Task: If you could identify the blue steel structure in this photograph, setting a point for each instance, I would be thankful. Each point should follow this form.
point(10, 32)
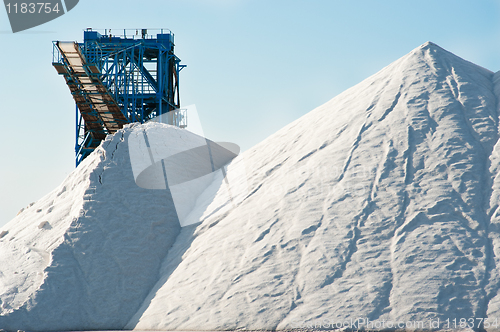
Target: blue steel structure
point(120, 79)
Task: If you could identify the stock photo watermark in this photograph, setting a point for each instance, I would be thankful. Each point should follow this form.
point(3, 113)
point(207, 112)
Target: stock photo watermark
point(189, 165)
point(383, 324)
point(26, 14)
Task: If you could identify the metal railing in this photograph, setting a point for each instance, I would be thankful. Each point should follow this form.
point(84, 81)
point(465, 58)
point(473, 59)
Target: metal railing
point(131, 33)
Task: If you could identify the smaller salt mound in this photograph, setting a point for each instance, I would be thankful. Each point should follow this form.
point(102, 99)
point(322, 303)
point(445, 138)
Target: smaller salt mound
point(86, 255)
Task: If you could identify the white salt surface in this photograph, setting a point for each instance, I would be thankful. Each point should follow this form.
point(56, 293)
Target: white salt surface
point(98, 255)
point(382, 204)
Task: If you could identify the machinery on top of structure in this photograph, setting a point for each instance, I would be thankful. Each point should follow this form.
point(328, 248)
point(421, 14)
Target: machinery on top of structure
point(120, 79)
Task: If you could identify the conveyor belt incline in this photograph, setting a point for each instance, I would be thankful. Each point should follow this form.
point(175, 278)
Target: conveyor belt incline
point(96, 104)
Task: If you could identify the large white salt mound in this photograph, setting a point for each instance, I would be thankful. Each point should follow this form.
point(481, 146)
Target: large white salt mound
point(374, 206)
point(381, 205)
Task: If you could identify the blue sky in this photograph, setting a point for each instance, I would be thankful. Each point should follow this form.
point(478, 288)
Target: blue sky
point(253, 67)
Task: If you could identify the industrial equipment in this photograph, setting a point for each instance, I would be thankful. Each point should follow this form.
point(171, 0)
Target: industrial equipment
point(120, 79)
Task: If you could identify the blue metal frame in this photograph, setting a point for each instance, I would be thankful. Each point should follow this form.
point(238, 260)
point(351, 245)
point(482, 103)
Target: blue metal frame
point(140, 72)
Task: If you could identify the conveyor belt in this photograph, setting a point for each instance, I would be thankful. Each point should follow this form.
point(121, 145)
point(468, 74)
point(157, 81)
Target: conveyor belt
point(96, 104)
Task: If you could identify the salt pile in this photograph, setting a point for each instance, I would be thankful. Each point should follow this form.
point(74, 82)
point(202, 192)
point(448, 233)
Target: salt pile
point(380, 205)
point(97, 254)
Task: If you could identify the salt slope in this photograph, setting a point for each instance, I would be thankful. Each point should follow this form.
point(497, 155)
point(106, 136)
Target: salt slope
point(375, 205)
point(86, 255)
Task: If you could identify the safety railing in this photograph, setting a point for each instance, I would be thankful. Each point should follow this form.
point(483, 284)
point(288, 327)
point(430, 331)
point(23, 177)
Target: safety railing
point(132, 33)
